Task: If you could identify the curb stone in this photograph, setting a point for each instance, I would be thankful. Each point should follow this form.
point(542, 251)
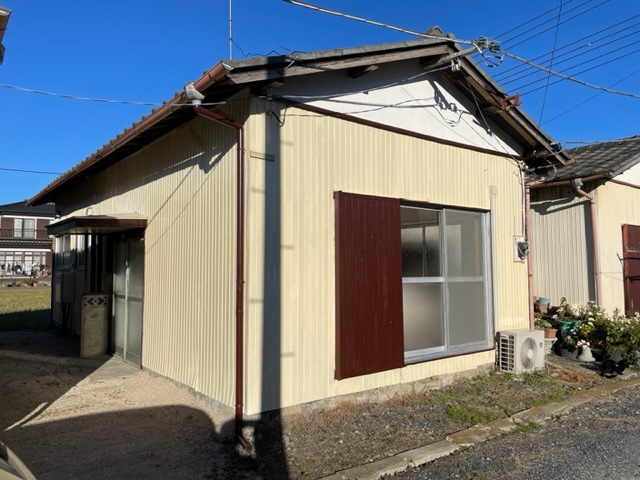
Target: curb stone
point(476, 434)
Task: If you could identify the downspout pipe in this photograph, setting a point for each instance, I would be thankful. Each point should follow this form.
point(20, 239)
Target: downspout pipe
point(576, 183)
point(528, 234)
point(239, 394)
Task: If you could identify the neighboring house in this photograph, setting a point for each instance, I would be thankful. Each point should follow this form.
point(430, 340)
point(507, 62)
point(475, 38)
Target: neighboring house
point(25, 245)
point(585, 228)
point(340, 221)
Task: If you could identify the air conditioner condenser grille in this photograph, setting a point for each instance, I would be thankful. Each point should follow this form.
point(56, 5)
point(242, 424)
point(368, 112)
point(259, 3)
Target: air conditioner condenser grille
point(521, 351)
point(507, 353)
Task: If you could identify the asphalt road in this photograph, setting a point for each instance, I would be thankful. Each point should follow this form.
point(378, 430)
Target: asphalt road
point(598, 440)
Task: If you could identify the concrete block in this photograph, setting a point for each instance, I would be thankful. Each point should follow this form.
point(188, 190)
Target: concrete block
point(375, 470)
point(428, 453)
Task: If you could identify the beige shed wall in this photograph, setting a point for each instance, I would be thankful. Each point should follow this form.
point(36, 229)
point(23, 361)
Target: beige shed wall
point(617, 205)
point(290, 242)
point(185, 185)
point(561, 246)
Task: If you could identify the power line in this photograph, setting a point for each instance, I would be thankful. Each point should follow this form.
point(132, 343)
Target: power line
point(530, 20)
point(561, 23)
point(28, 171)
point(591, 97)
point(100, 100)
point(555, 40)
point(566, 70)
point(518, 70)
point(572, 79)
point(373, 22)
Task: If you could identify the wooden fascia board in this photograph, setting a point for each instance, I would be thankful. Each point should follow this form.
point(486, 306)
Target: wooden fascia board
point(294, 69)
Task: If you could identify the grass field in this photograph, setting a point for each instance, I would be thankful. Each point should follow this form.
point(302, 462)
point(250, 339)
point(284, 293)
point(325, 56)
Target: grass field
point(22, 308)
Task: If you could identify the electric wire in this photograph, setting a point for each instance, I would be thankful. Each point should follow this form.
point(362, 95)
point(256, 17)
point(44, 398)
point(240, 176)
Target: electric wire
point(101, 100)
point(551, 28)
point(530, 20)
point(502, 76)
point(5, 169)
point(377, 24)
point(576, 80)
point(567, 70)
point(592, 97)
point(527, 74)
point(555, 40)
point(541, 24)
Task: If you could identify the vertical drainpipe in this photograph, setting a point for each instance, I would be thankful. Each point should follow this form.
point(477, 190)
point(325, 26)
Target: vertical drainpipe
point(493, 191)
point(239, 400)
point(527, 213)
point(576, 183)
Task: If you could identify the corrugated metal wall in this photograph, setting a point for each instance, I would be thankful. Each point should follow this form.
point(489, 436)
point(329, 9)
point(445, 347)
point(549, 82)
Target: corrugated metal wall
point(291, 271)
point(561, 245)
point(617, 205)
point(185, 184)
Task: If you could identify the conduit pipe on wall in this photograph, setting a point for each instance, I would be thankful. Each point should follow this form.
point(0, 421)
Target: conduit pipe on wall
point(576, 183)
point(239, 400)
point(527, 226)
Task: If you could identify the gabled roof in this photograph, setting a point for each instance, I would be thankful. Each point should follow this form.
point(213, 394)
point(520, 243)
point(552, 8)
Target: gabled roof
point(262, 73)
point(602, 160)
point(21, 208)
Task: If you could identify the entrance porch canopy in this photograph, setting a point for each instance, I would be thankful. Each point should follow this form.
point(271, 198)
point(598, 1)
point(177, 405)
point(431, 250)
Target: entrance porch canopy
point(98, 224)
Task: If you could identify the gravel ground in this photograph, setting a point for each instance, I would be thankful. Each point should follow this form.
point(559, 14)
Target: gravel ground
point(72, 418)
point(597, 440)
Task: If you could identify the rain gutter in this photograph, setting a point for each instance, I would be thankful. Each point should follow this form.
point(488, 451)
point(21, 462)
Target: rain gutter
point(239, 374)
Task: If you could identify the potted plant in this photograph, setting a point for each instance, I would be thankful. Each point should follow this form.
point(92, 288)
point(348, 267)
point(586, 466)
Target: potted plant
point(542, 324)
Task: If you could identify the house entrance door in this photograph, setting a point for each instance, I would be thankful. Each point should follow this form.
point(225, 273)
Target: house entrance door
point(631, 268)
point(128, 276)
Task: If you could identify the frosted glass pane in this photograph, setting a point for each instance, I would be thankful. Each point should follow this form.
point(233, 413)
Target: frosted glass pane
point(412, 252)
point(467, 313)
point(464, 244)
point(118, 323)
point(119, 269)
point(134, 330)
point(420, 237)
point(432, 252)
point(423, 319)
point(136, 268)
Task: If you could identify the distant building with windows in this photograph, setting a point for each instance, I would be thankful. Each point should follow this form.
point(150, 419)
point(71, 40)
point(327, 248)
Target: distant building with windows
point(25, 246)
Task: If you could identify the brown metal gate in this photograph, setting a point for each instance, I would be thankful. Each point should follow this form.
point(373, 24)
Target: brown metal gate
point(631, 268)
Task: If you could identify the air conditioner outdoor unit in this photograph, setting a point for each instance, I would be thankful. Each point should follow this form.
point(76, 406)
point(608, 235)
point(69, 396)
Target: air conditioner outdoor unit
point(521, 351)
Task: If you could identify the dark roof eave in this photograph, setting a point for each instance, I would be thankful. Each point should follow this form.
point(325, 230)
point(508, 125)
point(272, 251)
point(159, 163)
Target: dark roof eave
point(243, 72)
point(47, 194)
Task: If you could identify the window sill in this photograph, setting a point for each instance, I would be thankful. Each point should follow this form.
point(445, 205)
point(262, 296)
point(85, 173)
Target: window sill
point(413, 359)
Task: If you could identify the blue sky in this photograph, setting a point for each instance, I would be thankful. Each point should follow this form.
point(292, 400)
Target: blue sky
point(146, 50)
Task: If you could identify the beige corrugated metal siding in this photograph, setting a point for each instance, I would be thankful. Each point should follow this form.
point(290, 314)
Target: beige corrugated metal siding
point(617, 205)
point(185, 184)
point(561, 245)
point(291, 276)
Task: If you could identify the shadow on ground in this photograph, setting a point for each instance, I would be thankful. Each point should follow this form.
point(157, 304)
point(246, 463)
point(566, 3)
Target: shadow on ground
point(69, 417)
point(30, 319)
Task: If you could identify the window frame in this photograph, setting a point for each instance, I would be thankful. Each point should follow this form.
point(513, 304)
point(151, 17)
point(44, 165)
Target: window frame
point(361, 331)
point(20, 229)
point(445, 279)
